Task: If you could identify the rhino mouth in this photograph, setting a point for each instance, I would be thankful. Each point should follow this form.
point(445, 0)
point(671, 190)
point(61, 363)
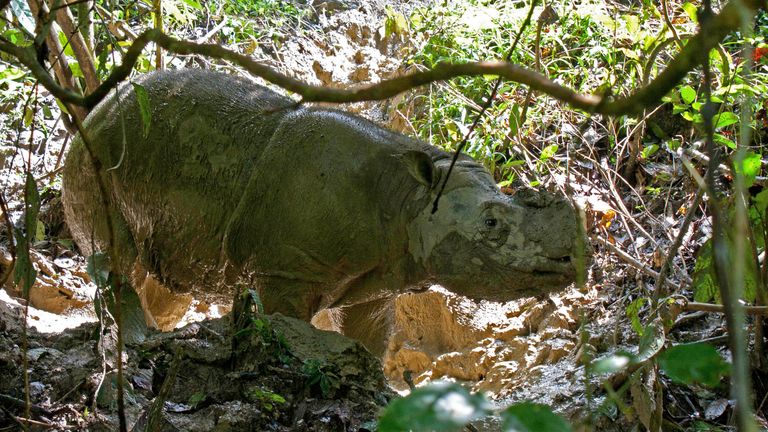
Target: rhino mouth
point(554, 268)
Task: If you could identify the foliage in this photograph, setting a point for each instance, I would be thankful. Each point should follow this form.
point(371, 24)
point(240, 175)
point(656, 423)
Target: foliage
point(588, 48)
point(321, 376)
point(444, 406)
point(268, 399)
point(696, 363)
point(269, 338)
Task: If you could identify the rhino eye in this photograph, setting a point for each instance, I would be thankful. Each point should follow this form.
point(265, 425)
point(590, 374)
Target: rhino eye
point(491, 222)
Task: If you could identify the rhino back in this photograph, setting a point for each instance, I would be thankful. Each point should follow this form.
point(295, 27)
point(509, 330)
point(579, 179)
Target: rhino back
point(330, 201)
point(175, 187)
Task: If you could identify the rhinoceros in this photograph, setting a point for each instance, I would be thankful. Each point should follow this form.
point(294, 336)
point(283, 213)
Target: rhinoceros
point(227, 182)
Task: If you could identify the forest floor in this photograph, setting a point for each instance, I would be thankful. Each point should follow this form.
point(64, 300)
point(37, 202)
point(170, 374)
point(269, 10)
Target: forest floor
point(292, 377)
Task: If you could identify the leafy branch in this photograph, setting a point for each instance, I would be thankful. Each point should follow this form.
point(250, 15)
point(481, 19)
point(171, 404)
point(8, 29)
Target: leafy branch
point(713, 30)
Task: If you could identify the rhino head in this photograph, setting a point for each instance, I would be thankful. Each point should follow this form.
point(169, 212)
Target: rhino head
point(486, 245)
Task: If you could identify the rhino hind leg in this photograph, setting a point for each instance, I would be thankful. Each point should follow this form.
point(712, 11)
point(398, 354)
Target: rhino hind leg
point(288, 296)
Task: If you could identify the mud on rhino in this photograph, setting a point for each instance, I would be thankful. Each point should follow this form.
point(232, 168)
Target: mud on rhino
point(315, 208)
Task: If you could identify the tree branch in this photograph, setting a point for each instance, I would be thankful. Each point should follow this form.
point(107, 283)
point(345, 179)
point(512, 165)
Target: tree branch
point(713, 31)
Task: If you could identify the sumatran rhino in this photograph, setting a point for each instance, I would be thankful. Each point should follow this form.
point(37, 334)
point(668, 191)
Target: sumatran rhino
point(228, 182)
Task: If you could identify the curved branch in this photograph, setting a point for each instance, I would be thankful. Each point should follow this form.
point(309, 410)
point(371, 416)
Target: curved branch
point(712, 32)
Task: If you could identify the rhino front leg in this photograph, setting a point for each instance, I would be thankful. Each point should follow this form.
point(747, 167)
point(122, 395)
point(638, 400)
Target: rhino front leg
point(163, 309)
point(370, 323)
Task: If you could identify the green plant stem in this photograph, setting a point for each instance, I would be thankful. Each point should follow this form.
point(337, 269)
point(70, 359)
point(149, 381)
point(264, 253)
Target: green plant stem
point(729, 274)
point(106, 203)
point(157, 8)
point(661, 289)
point(11, 246)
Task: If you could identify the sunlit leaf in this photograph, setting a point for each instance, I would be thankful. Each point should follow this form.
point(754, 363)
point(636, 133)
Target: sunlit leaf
point(691, 10)
point(611, 364)
point(724, 140)
point(749, 167)
point(696, 363)
point(193, 4)
point(725, 119)
point(674, 144)
point(688, 94)
point(649, 150)
point(436, 407)
point(20, 9)
point(633, 312)
point(548, 152)
point(531, 417)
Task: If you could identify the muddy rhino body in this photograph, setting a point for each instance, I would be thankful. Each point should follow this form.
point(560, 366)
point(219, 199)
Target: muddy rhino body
point(315, 208)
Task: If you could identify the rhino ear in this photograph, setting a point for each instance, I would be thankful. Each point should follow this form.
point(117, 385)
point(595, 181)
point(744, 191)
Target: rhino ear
point(421, 167)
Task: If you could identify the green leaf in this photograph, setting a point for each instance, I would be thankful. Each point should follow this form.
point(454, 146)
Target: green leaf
point(75, 68)
point(39, 232)
point(725, 119)
point(395, 23)
point(134, 324)
point(651, 342)
point(437, 407)
point(704, 288)
point(723, 140)
point(697, 107)
point(514, 119)
point(193, 4)
point(649, 151)
point(531, 417)
point(679, 108)
point(98, 268)
point(633, 312)
point(20, 9)
point(696, 363)
point(761, 201)
point(66, 45)
point(29, 116)
point(688, 94)
point(691, 10)
point(611, 364)
point(749, 167)
point(674, 144)
point(632, 23)
point(548, 152)
point(31, 206)
point(24, 272)
point(146, 114)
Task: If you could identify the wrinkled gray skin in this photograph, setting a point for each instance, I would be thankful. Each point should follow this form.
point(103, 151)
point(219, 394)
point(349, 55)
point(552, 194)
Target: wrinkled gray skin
point(316, 208)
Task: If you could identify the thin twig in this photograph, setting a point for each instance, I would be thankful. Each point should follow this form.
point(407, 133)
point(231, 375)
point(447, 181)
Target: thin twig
point(668, 21)
point(629, 259)
point(660, 288)
point(486, 105)
point(710, 307)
